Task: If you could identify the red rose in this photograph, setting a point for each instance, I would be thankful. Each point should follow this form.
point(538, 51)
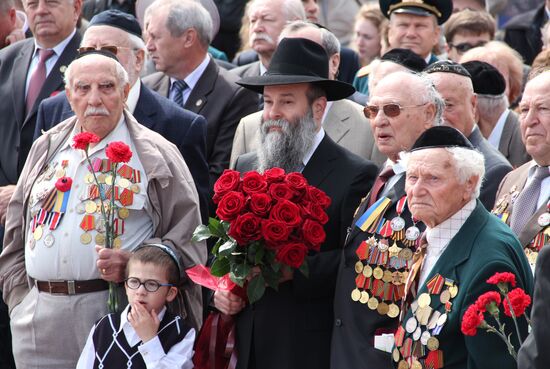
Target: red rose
point(292, 254)
point(520, 301)
point(484, 301)
point(287, 212)
point(254, 182)
point(273, 175)
point(64, 184)
point(317, 196)
point(281, 191)
point(228, 181)
point(82, 140)
point(118, 152)
point(296, 181)
point(230, 205)
point(503, 278)
point(313, 233)
point(315, 211)
point(260, 204)
point(275, 231)
point(471, 320)
point(245, 228)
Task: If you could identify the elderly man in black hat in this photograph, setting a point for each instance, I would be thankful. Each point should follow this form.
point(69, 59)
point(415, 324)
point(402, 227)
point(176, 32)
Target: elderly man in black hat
point(463, 247)
point(291, 327)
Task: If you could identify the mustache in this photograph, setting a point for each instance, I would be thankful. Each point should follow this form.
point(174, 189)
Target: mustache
point(280, 123)
point(93, 110)
point(262, 36)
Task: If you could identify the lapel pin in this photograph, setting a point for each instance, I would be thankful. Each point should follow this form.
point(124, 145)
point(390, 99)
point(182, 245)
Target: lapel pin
point(63, 68)
point(199, 102)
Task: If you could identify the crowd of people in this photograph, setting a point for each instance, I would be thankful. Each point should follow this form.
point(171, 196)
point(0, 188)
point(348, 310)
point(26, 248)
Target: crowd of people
point(426, 122)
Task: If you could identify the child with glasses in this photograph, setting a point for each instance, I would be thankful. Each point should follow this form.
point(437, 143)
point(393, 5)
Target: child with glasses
point(145, 334)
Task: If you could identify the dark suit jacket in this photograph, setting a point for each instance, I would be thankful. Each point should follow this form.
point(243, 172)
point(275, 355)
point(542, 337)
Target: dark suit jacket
point(522, 33)
point(183, 128)
point(511, 145)
point(222, 102)
point(18, 128)
point(534, 353)
point(483, 246)
point(291, 328)
point(355, 325)
point(496, 167)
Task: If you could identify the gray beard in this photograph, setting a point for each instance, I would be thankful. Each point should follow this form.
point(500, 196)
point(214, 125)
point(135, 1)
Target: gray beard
point(286, 148)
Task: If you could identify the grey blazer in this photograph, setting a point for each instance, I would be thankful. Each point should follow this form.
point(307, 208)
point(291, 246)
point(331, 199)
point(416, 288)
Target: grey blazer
point(511, 145)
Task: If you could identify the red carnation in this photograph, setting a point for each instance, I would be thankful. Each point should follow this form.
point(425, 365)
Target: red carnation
point(314, 211)
point(118, 152)
point(292, 254)
point(281, 191)
point(471, 320)
point(260, 204)
point(296, 181)
point(313, 233)
point(82, 140)
point(505, 277)
point(64, 184)
point(275, 231)
point(273, 175)
point(520, 301)
point(230, 205)
point(287, 212)
point(485, 301)
point(228, 181)
point(246, 228)
point(254, 182)
point(318, 196)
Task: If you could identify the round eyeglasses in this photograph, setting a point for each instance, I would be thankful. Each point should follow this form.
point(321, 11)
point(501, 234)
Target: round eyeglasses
point(150, 285)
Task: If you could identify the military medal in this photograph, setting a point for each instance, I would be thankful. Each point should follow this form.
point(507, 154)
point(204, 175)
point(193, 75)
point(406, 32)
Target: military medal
point(49, 240)
point(61, 171)
point(432, 343)
point(383, 308)
point(37, 234)
point(367, 271)
point(398, 223)
point(412, 233)
point(100, 239)
point(393, 310)
point(123, 213)
point(364, 297)
point(544, 219)
point(372, 303)
point(424, 300)
point(411, 324)
point(85, 238)
point(355, 294)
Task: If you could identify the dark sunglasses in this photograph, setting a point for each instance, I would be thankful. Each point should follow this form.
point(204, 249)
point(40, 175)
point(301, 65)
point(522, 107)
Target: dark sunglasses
point(465, 46)
point(109, 48)
point(390, 110)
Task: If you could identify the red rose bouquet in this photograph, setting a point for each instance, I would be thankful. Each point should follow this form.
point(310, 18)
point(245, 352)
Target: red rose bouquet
point(514, 302)
point(267, 222)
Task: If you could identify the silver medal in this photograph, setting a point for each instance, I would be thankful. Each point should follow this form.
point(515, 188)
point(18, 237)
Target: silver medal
point(412, 233)
point(397, 224)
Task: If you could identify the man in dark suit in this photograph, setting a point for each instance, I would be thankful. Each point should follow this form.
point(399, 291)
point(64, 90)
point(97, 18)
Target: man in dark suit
point(291, 327)
point(192, 79)
point(463, 247)
point(454, 83)
point(497, 123)
point(183, 128)
point(369, 290)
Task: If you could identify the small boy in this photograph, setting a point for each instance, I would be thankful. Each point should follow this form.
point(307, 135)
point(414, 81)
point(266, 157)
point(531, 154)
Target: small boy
point(144, 334)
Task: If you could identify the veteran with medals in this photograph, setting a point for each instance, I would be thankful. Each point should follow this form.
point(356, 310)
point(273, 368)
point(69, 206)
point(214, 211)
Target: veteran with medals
point(383, 235)
point(54, 270)
point(463, 246)
point(523, 198)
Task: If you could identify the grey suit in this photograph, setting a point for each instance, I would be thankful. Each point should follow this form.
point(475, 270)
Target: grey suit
point(345, 124)
point(247, 70)
point(511, 145)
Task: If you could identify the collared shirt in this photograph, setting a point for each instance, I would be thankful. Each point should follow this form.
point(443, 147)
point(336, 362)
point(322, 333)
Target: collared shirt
point(67, 258)
point(544, 195)
point(193, 78)
point(262, 69)
point(316, 141)
point(441, 235)
point(399, 171)
point(58, 50)
point(496, 133)
point(179, 356)
point(133, 96)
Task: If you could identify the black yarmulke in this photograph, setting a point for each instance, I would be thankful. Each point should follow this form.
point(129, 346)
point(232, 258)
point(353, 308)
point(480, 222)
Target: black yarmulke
point(447, 66)
point(486, 79)
point(118, 19)
point(406, 58)
point(98, 52)
point(441, 136)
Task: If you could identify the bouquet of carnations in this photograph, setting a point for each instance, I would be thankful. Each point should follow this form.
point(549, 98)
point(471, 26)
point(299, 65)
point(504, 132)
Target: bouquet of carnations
point(267, 222)
point(514, 302)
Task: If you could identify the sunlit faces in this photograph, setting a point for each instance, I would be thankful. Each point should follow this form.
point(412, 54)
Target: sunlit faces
point(367, 40)
point(150, 300)
point(312, 10)
point(417, 33)
point(52, 21)
point(266, 21)
point(463, 42)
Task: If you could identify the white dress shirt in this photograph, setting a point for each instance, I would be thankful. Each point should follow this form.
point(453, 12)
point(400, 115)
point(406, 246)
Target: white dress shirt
point(179, 356)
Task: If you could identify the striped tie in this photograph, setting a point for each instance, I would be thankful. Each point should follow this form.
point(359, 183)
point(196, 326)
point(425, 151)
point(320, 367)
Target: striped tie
point(526, 203)
point(177, 92)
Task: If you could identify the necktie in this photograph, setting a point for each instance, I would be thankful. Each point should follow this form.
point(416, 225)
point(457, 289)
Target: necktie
point(38, 78)
point(526, 203)
point(383, 177)
point(177, 92)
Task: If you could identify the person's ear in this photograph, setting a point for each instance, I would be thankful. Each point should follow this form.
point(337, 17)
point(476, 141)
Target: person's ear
point(172, 293)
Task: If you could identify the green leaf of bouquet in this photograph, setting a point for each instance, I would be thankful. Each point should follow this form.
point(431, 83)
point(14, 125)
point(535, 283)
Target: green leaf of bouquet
point(216, 228)
point(271, 277)
point(225, 225)
point(220, 267)
point(240, 270)
point(259, 256)
point(201, 233)
point(256, 288)
point(227, 248)
point(304, 268)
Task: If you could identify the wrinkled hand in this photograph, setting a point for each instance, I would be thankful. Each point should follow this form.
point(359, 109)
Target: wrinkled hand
point(111, 263)
point(5, 196)
point(145, 323)
point(227, 302)
point(16, 35)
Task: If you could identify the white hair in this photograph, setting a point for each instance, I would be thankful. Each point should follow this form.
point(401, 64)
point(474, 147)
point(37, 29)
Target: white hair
point(490, 105)
point(468, 163)
point(120, 73)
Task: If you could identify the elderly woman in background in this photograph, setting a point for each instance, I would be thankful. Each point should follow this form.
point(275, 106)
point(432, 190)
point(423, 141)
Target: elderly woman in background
point(368, 30)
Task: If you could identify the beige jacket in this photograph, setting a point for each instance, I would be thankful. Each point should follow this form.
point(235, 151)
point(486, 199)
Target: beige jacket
point(171, 192)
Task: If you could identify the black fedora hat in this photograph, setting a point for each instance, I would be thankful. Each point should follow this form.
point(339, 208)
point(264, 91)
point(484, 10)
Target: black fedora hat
point(299, 60)
point(441, 9)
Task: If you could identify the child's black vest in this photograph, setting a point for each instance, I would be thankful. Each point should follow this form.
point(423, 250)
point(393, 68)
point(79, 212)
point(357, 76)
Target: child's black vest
point(113, 350)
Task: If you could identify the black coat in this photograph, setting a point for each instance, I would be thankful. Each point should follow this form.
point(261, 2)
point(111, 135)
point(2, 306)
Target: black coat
point(292, 328)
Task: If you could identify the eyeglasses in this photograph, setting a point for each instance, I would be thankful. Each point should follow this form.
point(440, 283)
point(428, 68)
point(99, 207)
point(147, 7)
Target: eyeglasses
point(150, 285)
point(390, 110)
point(465, 46)
point(110, 48)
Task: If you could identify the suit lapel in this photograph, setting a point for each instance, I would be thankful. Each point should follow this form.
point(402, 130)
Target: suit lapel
point(19, 79)
point(198, 97)
point(336, 123)
point(321, 163)
point(144, 111)
point(532, 227)
point(506, 137)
